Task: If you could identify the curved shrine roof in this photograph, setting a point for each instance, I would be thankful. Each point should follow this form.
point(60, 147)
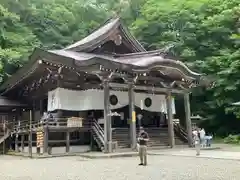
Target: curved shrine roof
point(81, 54)
point(134, 62)
point(102, 34)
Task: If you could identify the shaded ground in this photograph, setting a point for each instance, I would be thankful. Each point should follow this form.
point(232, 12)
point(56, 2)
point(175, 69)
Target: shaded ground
point(77, 168)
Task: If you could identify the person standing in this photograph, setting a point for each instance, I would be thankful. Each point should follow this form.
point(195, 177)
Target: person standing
point(142, 141)
point(196, 138)
point(202, 137)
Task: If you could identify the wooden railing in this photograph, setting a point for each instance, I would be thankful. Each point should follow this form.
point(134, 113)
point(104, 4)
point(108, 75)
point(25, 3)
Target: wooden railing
point(180, 131)
point(50, 122)
point(98, 131)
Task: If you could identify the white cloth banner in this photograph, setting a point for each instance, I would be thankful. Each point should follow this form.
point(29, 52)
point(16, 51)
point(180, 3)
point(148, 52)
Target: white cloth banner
point(93, 99)
point(53, 100)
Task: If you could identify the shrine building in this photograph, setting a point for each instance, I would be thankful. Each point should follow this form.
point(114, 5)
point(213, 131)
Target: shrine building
point(99, 91)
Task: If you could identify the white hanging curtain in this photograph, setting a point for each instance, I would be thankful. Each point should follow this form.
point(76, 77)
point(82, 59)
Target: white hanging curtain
point(93, 99)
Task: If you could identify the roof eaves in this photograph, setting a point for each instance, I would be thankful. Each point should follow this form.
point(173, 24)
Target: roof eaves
point(5, 102)
point(22, 71)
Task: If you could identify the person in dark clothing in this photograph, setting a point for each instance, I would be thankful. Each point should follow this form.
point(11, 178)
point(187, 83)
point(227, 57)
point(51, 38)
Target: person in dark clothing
point(142, 141)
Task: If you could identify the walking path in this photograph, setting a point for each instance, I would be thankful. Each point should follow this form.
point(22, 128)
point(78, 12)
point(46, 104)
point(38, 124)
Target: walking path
point(213, 154)
point(78, 168)
point(226, 152)
point(165, 164)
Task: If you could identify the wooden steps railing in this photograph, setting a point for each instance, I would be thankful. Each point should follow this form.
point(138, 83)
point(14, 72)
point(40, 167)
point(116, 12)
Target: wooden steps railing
point(55, 123)
point(180, 131)
point(5, 132)
point(98, 134)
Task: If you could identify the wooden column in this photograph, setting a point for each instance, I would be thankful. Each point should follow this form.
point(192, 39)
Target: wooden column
point(59, 85)
point(106, 115)
point(41, 107)
point(170, 120)
point(188, 119)
point(41, 111)
point(162, 118)
point(132, 115)
point(45, 139)
point(67, 141)
point(18, 118)
point(16, 143)
point(22, 142)
point(58, 117)
point(30, 134)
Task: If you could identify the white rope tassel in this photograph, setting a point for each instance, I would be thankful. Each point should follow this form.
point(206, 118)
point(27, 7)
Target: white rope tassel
point(141, 104)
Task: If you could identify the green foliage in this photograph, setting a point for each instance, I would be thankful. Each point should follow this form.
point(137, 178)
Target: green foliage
point(232, 139)
point(48, 24)
point(16, 42)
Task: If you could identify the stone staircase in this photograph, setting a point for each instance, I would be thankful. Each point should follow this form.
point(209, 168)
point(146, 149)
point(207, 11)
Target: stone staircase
point(157, 137)
point(122, 136)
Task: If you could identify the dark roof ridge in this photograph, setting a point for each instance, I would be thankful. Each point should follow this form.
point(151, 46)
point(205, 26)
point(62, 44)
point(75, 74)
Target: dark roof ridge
point(104, 23)
point(99, 36)
point(153, 53)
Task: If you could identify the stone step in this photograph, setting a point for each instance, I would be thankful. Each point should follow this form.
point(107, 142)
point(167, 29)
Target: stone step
point(158, 137)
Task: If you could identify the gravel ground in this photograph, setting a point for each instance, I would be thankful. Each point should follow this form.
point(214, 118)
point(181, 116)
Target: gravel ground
point(159, 168)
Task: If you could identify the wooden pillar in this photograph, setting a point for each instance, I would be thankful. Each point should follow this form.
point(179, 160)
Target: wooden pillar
point(67, 141)
point(30, 144)
point(45, 139)
point(132, 115)
point(59, 85)
point(22, 142)
point(188, 119)
point(30, 134)
point(106, 115)
point(170, 120)
point(162, 118)
point(41, 107)
point(16, 142)
point(110, 148)
point(18, 118)
point(58, 117)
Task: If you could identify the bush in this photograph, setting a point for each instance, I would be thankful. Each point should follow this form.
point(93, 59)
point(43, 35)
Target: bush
point(232, 139)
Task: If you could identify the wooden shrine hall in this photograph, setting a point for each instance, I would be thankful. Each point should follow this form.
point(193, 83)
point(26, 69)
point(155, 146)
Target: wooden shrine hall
point(105, 71)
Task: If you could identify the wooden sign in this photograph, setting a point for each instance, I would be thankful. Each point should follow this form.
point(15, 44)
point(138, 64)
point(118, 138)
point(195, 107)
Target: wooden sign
point(75, 122)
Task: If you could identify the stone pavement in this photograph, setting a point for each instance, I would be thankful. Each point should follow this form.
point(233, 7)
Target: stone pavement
point(161, 167)
point(122, 153)
point(210, 154)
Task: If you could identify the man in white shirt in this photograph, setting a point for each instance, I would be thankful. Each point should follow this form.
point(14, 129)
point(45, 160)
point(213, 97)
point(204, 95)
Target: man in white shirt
point(202, 137)
point(196, 139)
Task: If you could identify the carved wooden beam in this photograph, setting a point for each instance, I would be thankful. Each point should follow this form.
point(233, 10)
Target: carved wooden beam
point(148, 88)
